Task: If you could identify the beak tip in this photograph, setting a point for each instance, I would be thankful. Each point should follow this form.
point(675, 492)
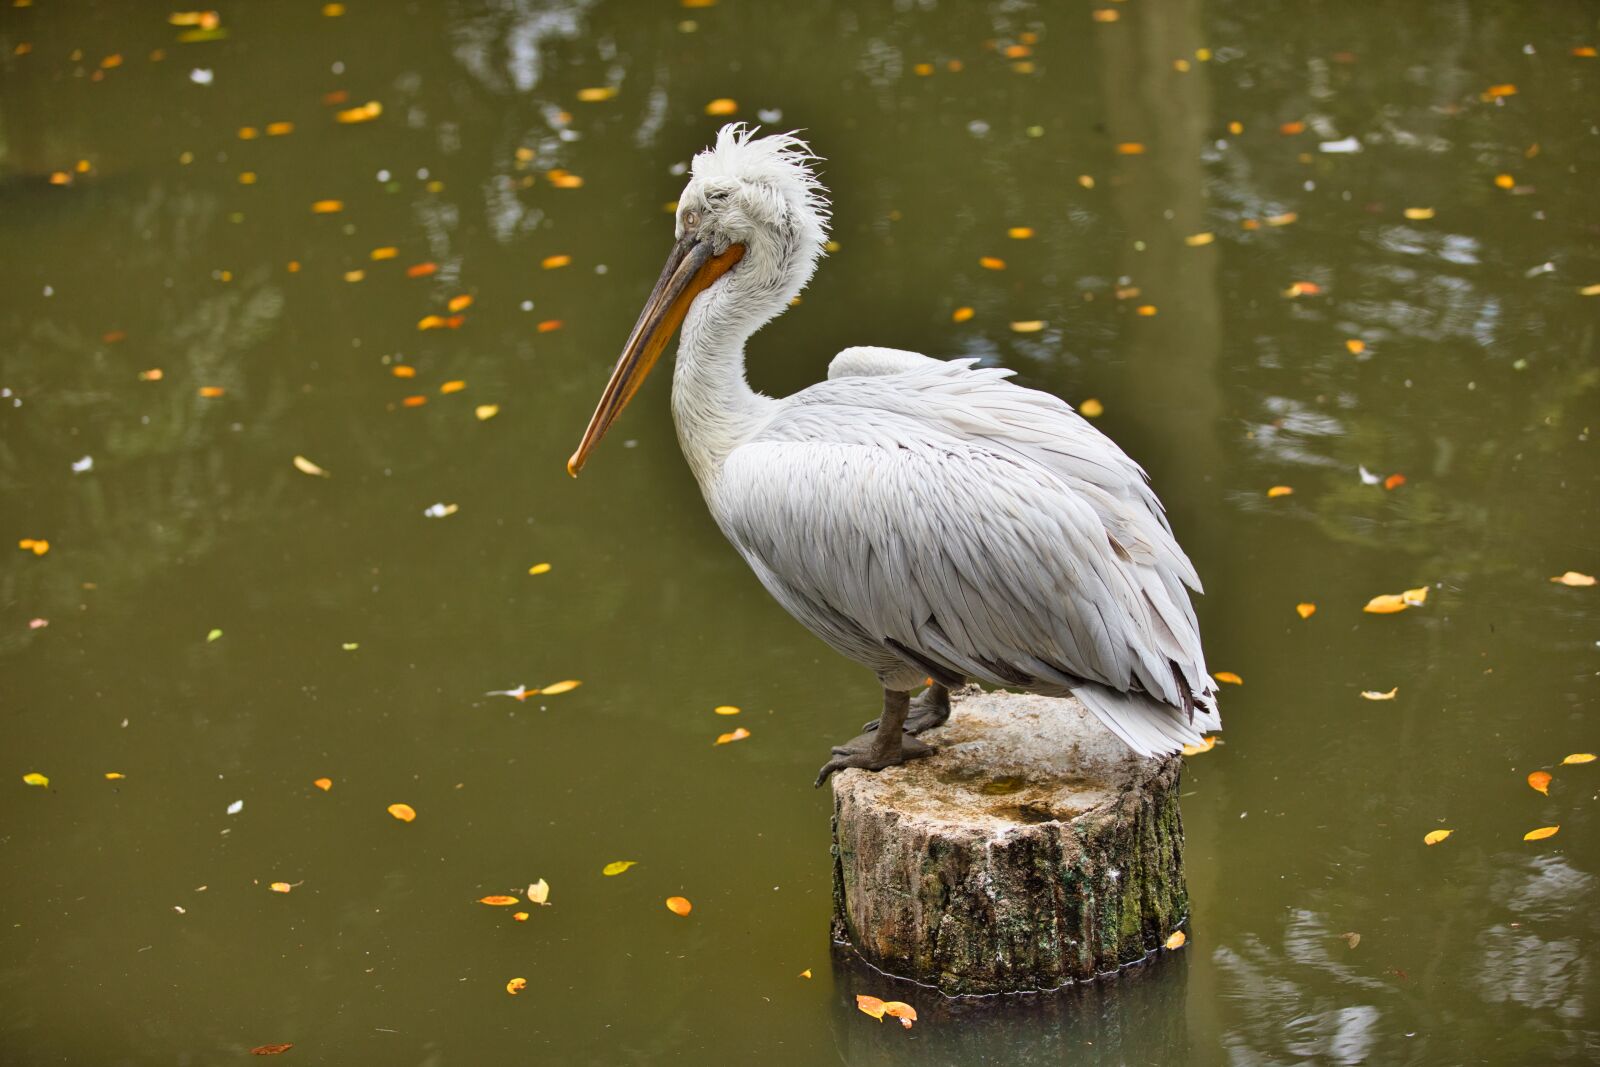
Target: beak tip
point(574, 465)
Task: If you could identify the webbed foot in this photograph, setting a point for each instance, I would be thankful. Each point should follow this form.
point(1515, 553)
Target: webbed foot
point(866, 752)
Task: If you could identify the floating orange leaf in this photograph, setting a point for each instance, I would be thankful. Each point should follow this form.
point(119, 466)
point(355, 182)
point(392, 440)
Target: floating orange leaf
point(460, 303)
point(616, 867)
point(1090, 408)
point(1573, 578)
point(899, 1009)
point(115, 776)
point(1433, 837)
point(386, 252)
point(922, 70)
point(327, 207)
point(1130, 148)
point(1105, 14)
point(1289, 129)
point(558, 688)
point(1584, 51)
point(248, 133)
point(722, 106)
point(1280, 490)
point(1494, 92)
point(870, 1005)
point(805, 973)
point(1020, 233)
point(520, 916)
point(440, 322)
point(1229, 677)
point(280, 887)
point(323, 784)
point(550, 325)
point(279, 129)
point(516, 985)
point(1540, 780)
point(552, 262)
point(402, 370)
point(1303, 289)
point(737, 735)
point(1146, 310)
point(452, 386)
point(37, 545)
point(991, 263)
point(403, 812)
point(364, 113)
point(498, 900)
point(414, 401)
point(1505, 181)
point(1206, 745)
point(679, 905)
point(421, 270)
point(1177, 940)
point(1541, 833)
point(1579, 757)
point(1394, 481)
point(961, 314)
point(1305, 611)
point(211, 392)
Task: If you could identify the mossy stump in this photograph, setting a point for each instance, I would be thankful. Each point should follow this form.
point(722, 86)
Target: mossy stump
point(1032, 850)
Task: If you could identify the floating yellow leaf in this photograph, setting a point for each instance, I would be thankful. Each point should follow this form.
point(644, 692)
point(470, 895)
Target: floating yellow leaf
point(1540, 780)
point(725, 709)
point(485, 412)
point(1305, 611)
point(870, 1005)
point(1505, 181)
point(1280, 490)
point(1086, 180)
point(1373, 694)
point(114, 776)
point(1146, 310)
point(279, 129)
point(38, 546)
point(1177, 939)
point(1284, 219)
point(1029, 326)
point(595, 95)
point(247, 178)
point(1020, 233)
point(440, 322)
point(498, 900)
point(1541, 833)
point(1130, 148)
point(520, 916)
point(365, 113)
point(991, 263)
point(1355, 345)
point(516, 985)
point(402, 370)
point(679, 905)
point(1195, 240)
point(323, 784)
point(1389, 603)
point(1105, 14)
point(539, 568)
point(280, 887)
point(305, 466)
point(403, 812)
point(1419, 214)
point(552, 262)
point(539, 892)
point(354, 275)
point(386, 252)
point(1206, 745)
point(454, 386)
point(961, 314)
point(1433, 837)
point(806, 973)
point(1494, 92)
point(737, 735)
point(1229, 677)
point(460, 303)
point(722, 106)
point(1590, 290)
point(1091, 408)
point(332, 11)
point(617, 867)
point(560, 687)
point(35, 778)
point(1579, 757)
point(248, 133)
point(327, 207)
point(1573, 578)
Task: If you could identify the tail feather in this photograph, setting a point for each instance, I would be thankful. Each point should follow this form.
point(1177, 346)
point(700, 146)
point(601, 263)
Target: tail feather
point(1144, 723)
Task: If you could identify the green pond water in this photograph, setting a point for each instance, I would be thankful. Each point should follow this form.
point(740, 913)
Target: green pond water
point(1440, 332)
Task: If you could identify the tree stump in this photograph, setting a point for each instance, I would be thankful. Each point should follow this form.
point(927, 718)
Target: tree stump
point(1032, 850)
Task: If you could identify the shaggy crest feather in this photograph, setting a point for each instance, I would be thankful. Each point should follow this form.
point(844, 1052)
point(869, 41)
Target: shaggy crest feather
point(782, 161)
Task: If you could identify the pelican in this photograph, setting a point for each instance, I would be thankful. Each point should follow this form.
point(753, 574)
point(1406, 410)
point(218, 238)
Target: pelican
point(928, 519)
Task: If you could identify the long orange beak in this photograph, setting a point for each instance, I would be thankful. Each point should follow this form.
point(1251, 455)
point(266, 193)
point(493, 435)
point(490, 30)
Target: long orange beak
point(690, 270)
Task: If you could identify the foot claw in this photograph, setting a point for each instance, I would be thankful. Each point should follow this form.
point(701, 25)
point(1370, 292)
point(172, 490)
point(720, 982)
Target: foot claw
point(865, 752)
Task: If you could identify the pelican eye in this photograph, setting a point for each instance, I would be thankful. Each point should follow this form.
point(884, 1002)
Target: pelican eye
point(691, 220)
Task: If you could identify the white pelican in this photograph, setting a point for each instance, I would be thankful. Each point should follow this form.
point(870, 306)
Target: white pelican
point(927, 519)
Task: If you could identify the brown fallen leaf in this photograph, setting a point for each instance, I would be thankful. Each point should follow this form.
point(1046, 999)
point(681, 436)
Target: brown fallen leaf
point(1573, 578)
point(403, 812)
point(679, 905)
point(899, 1009)
point(870, 1005)
point(272, 1050)
point(1351, 938)
point(1433, 837)
point(1541, 833)
point(1540, 780)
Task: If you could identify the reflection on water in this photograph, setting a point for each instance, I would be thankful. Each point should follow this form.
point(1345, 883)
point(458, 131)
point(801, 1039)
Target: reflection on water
point(1303, 248)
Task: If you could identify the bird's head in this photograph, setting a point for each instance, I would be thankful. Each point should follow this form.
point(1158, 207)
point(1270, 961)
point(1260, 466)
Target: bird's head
point(751, 225)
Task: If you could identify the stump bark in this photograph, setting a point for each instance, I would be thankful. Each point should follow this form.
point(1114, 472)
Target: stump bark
point(1032, 850)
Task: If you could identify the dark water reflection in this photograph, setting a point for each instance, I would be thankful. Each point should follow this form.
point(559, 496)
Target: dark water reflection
point(1475, 377)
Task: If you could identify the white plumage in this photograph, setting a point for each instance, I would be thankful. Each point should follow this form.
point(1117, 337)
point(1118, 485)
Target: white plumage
point(921, 517)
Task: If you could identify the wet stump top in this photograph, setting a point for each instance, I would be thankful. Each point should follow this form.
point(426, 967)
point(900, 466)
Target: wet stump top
point(1032, 850)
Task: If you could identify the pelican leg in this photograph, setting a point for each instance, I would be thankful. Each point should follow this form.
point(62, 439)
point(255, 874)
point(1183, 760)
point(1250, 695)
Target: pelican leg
point(885, 747)
point(930, 708)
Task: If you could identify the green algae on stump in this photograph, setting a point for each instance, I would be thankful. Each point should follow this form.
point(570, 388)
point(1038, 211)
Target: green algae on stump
point(1032, 850)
